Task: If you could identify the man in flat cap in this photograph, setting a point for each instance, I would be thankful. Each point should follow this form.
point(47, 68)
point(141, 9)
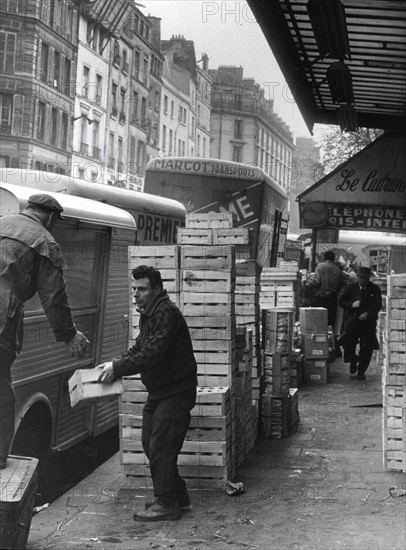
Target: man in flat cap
point(361, 302)
point(30, 261)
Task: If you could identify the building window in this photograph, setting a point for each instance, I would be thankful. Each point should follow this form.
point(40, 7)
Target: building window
point(99, 89)
point(116, 54)
point(237, 156)
point(172, 108)
point(204, 147)
point(12, 6)
point(57, 69)
point(132, 167)
point(125, 62)
point(54, 125)
point(170, 140)
point(137, 57)
point(6, 106)
point(164, 137)
point(146, 71)
point(122, 101)
point(166, 104)
point(83, 136)
point(67, 74)
point(96, 137)
point(102, 40)
point(198, 145)
point(143, 110)
point(134, 115)
point(89, 33)
point(110, 163)
point(85, 82)
point(114, 105)
point(64, 131)
point(238, 127)
point(43, 73)
point(120, 166)
point(157, 100)
point(41, 120)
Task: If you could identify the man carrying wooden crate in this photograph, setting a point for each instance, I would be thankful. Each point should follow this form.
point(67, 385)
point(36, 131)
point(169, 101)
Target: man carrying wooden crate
point(163, 355)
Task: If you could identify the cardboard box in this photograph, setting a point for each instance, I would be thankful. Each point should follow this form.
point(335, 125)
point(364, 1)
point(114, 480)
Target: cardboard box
point(313, 320)
point(315, 371)
point(315, 346)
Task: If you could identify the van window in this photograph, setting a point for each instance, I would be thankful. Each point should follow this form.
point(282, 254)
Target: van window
point(84, 252)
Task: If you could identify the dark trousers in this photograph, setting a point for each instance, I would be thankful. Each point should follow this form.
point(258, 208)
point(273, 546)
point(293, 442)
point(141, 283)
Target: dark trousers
point(7, 404)
point(365, 352)
point(164, 426)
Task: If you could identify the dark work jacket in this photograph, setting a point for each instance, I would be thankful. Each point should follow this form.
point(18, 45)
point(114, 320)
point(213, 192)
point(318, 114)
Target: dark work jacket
point(30, 261)
point(371, 302)
point(162, 353)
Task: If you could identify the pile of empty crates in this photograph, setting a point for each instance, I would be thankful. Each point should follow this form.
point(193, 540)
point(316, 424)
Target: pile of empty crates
point(280, 286)
point(279, 403)
point(393, 334)
point(215, 293)
point(315, 344)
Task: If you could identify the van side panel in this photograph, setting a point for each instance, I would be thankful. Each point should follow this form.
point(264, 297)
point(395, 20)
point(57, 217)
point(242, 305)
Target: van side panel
point(114, 336)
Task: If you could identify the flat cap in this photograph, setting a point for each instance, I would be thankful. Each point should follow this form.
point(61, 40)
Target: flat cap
point(47, 202)
point(364, 271)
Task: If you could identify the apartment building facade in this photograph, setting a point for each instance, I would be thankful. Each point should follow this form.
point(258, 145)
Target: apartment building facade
point(185, 106)
point(244, 127)
point(38, 55)
point(117, 107)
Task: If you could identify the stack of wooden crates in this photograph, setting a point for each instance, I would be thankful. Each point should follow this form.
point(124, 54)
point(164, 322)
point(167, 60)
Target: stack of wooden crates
point(201, 277)
point(394, 375)
point(279, 403)
point(315, 344)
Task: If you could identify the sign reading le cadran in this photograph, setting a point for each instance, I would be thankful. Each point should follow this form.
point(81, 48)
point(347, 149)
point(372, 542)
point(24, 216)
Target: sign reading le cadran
point(368, 191)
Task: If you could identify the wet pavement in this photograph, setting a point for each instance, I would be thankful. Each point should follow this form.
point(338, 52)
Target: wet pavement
point(322, 488)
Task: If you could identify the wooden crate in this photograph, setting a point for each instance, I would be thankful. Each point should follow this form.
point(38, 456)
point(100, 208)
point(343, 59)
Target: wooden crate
point(211, 220)
point(160, 257)
point(201, 303)
point(237, 236)
point(187, 236)
point(211, 328)
point(84, 387)
point(397, 286)
point(195, 280)
point(208, 257)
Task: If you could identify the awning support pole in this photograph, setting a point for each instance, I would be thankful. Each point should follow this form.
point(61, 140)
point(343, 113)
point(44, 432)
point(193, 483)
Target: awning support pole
point(314, 247)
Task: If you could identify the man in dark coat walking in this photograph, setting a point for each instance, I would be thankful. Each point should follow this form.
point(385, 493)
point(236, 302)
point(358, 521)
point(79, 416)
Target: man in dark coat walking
point(361, 302)
point(163, 354)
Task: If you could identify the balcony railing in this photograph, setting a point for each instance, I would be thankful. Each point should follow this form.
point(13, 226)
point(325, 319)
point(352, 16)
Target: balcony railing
point(96, 153)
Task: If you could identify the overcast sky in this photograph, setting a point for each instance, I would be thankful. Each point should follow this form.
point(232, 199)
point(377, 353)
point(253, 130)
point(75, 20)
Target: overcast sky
point(227, 32)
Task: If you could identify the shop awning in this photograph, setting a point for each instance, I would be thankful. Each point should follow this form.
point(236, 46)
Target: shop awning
point(367, 192)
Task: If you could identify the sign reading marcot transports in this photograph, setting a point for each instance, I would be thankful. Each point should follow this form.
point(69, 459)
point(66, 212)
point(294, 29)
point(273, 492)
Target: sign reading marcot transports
point(366, 192)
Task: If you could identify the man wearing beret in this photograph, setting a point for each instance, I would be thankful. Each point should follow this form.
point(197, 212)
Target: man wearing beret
point(361, 302)
point(30, 261)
